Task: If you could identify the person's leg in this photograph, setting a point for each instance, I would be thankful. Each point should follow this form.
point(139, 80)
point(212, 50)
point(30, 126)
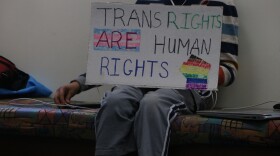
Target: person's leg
point(152, 122)
point(114, 121)
point(205, 100)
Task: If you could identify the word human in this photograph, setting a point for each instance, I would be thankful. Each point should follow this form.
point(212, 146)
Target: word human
point(178, 45)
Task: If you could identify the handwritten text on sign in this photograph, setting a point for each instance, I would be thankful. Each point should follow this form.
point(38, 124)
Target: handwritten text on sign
point(155, 45)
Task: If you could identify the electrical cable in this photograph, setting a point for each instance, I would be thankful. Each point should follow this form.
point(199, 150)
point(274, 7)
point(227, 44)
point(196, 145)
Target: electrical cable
point(15, 102)
point(250, 106)
point(185, 1)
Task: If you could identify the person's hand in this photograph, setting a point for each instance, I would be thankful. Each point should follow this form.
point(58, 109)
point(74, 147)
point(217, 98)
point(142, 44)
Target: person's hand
point(64, 93)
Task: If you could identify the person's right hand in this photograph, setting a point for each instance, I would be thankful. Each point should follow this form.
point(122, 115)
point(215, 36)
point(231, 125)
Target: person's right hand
point(64, 93)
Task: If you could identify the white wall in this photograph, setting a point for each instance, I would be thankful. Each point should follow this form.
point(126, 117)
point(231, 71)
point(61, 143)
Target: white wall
point(49, 39)
point(259, 54)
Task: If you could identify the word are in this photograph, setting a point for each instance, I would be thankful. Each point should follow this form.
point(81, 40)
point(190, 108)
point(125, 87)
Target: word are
point(136, 68)
point(117, 40)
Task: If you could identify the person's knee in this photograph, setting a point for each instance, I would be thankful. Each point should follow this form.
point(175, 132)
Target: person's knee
point(160, 100)
point(151, 102)
point(121, 101)
point(112, 100)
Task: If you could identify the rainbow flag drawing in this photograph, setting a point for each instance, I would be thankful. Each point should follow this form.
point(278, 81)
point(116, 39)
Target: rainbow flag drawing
point(196, 71)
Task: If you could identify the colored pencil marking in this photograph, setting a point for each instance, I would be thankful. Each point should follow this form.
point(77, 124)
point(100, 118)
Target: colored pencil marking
point(117, 40)
point(196, 71)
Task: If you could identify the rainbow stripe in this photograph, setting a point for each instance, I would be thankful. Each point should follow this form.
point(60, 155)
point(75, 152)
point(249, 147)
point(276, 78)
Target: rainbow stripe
point(196, 71)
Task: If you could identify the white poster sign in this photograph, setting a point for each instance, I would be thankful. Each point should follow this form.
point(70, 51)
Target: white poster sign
point(155, 45)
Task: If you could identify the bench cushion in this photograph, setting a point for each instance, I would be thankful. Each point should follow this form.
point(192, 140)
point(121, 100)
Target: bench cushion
point(46, 121)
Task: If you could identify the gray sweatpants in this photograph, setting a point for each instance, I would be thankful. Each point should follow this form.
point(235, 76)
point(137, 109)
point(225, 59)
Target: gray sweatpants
point(133, 119)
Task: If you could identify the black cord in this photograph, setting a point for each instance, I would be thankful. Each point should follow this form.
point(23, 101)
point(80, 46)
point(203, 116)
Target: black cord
point(251, 106)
